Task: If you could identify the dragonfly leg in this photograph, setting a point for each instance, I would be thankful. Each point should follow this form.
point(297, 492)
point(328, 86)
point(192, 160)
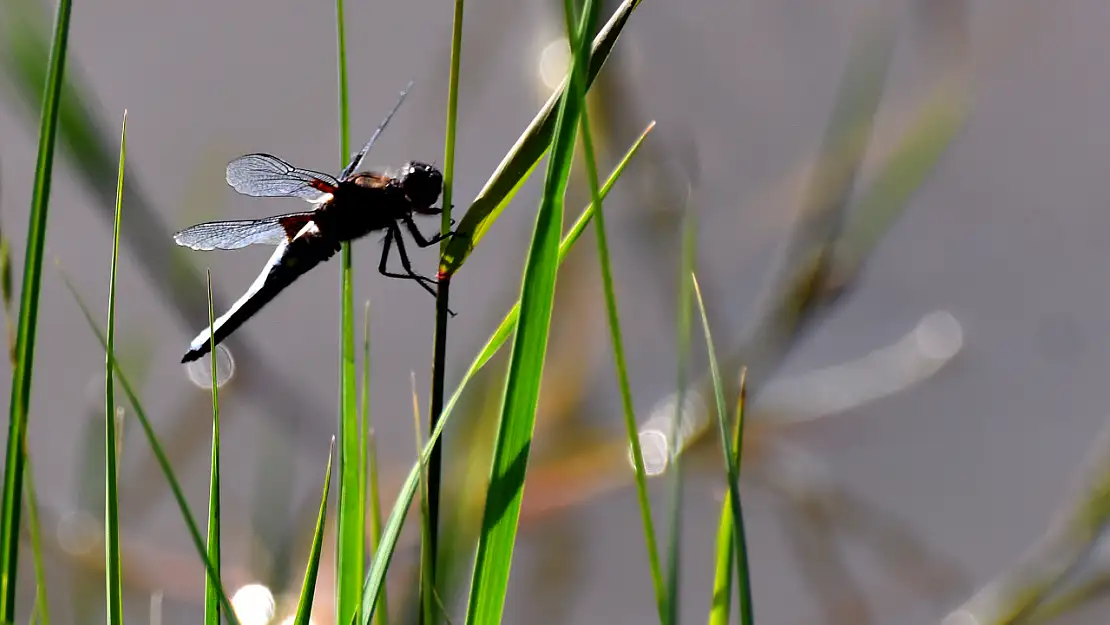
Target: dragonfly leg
point(419, 237)
point(424, 281)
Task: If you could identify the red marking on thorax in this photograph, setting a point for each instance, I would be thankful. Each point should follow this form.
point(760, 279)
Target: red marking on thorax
point(294, 223)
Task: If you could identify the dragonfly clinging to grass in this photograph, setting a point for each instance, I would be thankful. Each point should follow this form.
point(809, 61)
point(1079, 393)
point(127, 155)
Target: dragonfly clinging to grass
point(347, 207)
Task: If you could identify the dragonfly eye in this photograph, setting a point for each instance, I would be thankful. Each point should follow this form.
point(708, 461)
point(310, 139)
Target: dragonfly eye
point(422, 183)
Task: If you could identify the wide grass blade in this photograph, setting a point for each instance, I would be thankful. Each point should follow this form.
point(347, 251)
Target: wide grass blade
point(522, 385)
point(113, 568)
point(525, 154)
point(159, 454)
point(211, 590)
point(11, 508)
point(731, 453)
point(308, 588)
point(618, 350)
point(392, 531)
point(350, 548)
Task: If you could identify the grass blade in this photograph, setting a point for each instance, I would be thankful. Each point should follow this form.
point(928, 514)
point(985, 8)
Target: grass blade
point(211, 591)
point(618, 352)
point(35, 530)
point(11, 508)
point(308, 588)
point(351, 523)
point(689, 242)
point(369, 467)
point(747, 607)
point(525, 154)
point(384, 551)
point(518, 409)
point(732, 467)
point(426, 588)
point(443, 291)
point(721, 606)
point(159, 454)
point(113, 570)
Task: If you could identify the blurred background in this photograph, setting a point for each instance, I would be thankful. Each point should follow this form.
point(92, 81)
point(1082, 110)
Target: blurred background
point(924, 440)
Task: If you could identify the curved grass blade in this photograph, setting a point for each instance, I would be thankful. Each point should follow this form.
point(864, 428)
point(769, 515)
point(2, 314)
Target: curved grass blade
point(350, 547)
point(384, 551)
point(10, 508)
point(731, 451)
point(308, 588)
point(500, 517)
point(159, 454)
point(211, 589)
point(525, 154)
point(113, 569)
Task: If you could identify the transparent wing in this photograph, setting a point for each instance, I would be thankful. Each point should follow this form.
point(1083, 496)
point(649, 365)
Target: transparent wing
point(232, 235)
point(263, 175)
point(356, 159)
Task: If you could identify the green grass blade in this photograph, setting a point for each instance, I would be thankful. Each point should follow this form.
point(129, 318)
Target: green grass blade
point(689, 241)
point(350, 560)
point(113, 568)
point(525, 154)
point(211, 591)
point(426, 587)
point(11, 508)
point(518, 409)
point(721, 607)
point(369, 467)
point(443, 292)
point(747, 607)
point(159, 455)
point(618, 356)
point(732, 462)
point(308, 588)
point(34, 527)
point(384, 551)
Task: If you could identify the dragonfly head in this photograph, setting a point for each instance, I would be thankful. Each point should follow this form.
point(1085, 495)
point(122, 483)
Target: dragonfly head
point(422, 183)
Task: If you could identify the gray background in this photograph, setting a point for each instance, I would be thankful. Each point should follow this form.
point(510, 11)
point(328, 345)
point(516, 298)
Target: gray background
point(1009, 235)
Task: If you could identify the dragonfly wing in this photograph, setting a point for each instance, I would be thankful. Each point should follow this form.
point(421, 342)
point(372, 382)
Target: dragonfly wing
point(264, 175)
point(232, 235)
point(292, 259)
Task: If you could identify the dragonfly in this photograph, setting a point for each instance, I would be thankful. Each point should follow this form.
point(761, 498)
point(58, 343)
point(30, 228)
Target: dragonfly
point(347, 207)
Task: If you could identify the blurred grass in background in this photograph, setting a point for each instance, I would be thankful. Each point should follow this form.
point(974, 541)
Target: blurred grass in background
point(573, 456)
